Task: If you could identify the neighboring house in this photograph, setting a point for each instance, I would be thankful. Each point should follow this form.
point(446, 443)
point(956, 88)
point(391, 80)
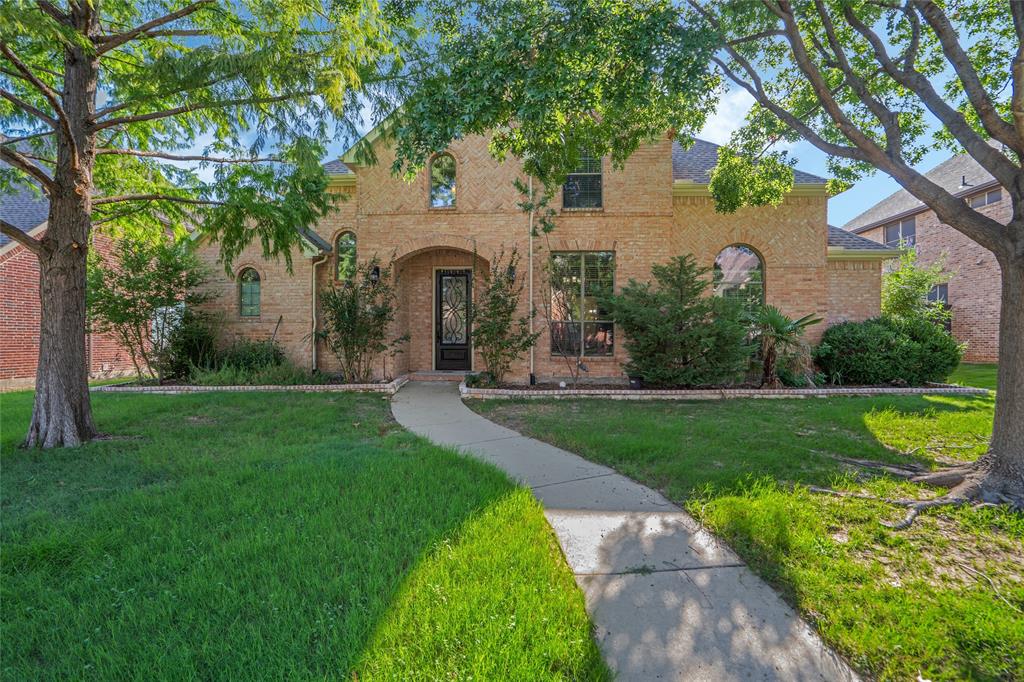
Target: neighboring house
point(19, 299)
point(973, 289)
point(443, 229)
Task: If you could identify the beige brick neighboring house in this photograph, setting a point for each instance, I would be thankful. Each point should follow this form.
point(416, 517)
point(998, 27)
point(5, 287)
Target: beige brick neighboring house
point(616, 225)
point(973, 288)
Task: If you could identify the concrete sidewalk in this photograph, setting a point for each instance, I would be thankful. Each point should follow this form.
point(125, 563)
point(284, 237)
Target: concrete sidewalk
point(668, 602)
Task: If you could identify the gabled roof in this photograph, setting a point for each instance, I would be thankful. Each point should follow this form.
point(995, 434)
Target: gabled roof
point(958, 175)
point(696, 163)
point(24, 208)
point(848, 241)
point(337, 167)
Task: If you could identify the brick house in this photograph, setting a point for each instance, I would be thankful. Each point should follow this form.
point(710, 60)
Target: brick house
point(973, 289)
point(19, 299)
point(443, 228)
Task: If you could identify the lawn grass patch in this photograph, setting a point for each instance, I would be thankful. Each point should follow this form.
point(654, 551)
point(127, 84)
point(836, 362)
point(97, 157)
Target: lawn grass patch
point(274, 535)
point(895, 603)
point(980, 375)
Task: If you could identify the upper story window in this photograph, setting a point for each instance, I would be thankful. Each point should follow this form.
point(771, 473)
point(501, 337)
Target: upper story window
point(249, 293)
point(582, 188)
point(901, 232)
point(442, 181)
point(738, 274)
point(993, 196)
point(580, 326)
point(345, 256)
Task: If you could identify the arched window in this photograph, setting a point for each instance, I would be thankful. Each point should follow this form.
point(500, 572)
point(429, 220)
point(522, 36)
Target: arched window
point(442, 181)
point(249, 293)
point(739, 275)
point(345, 256)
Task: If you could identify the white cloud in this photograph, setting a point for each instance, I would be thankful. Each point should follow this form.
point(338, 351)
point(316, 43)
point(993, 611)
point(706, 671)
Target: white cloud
point(728, 116)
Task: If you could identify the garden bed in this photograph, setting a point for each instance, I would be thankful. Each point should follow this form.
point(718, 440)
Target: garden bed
point(712, 393)
point(389, 388)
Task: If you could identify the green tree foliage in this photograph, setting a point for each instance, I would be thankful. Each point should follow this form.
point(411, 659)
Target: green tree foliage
point(138, 293)
point(676, 334)
point(778, 337)
point(499, 336)
point(905, 290)
point(357, 320)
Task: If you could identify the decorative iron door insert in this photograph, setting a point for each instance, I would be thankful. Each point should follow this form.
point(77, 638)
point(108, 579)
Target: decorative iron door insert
point(451, 320)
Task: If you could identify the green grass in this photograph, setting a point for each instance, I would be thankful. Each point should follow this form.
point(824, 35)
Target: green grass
point(270, 536)
point(895, 603)
point(980, 375)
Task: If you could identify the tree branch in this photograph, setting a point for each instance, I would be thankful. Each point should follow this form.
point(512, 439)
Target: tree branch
point(185, 157)
point(122, 120)
point(50, 96)
point(53, 11)
point(28, 108)
point(101, 201)
point(17, 235)
point(109, 42)
point(22, 163)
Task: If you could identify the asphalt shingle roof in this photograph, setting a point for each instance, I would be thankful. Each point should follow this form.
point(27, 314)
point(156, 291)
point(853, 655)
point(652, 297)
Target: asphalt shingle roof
point(24, 208)
point(336, 167)
point(696, 163)
point(957, 174)
point(843, 239)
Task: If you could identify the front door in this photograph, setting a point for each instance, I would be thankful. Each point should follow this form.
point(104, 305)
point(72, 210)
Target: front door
point(451, 320)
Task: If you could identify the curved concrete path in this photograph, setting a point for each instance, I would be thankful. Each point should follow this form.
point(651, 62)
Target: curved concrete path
point(668, 602)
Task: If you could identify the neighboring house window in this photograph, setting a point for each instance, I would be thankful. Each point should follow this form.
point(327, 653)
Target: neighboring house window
point(582, 188)
point(993, 196)
point(939, 294)
point(580, 326)
point(345, 256)
point(442, 181)
point(738, 274)
point(901, 233)
point(249, 293)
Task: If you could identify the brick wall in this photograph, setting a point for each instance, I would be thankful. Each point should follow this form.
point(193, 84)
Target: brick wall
point(854, 290)
point(974, 287)
point(19, 322)
point(640, 221)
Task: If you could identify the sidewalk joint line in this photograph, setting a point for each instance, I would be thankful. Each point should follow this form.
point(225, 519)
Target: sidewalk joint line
point(681, 569)
point(571, 480)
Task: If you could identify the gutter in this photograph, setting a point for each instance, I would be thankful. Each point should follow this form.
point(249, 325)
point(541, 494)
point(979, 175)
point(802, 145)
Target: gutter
point(312, 285)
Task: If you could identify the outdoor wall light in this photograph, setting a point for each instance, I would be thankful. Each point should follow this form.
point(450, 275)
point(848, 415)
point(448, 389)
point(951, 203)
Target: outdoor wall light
point(375, 274)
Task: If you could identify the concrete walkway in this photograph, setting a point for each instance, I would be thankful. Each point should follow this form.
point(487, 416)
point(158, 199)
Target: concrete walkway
point(667, 601)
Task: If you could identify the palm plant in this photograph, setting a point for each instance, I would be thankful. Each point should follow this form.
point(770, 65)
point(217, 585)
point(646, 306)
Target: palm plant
point(777, 334)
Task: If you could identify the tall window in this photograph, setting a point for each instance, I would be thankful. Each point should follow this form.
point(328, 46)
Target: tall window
point(249, 293)
point(442, 181)
point(939, 296)
point(345, 256)
point(901, 233)
point(579, 324)
point(582, 188)
point(738, 274)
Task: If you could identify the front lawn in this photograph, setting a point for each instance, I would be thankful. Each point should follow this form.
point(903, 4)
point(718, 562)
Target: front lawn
point(270, 536)
point(944, 599)
point(981, 375)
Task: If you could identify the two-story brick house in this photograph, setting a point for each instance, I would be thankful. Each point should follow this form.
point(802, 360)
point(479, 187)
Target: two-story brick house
point(973, 289)
point(443, 229)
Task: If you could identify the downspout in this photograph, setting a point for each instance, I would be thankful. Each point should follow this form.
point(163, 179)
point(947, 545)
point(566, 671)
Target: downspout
point(533, 346)
point(312, 286)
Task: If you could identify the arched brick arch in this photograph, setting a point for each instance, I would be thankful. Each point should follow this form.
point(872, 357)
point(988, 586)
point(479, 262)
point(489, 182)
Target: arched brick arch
point(436, 240)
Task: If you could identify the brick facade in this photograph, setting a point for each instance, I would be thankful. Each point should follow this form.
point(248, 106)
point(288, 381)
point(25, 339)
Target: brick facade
point(854, 290)
point(974, 277)
point(19, 322)
point(646, 218)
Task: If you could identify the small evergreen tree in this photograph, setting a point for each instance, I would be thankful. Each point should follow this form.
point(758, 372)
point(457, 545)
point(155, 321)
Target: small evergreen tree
point(905, 290)
point(677, 335)
point(138, 294)
point(498, 334)
point(357, 316)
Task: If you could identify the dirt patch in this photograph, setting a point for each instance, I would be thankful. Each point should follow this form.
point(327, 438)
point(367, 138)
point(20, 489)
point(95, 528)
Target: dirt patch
point(200, 420)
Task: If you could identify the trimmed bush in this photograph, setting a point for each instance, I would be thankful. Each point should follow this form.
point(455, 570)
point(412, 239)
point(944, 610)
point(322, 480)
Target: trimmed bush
point(883, 351)
point(246, 355)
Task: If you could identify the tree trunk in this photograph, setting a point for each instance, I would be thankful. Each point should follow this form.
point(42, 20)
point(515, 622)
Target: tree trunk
point(62, 414)
point(1005, 457)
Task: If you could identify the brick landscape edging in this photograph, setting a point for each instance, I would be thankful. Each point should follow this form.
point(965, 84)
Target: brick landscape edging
point(713, 393)
point(389, 388)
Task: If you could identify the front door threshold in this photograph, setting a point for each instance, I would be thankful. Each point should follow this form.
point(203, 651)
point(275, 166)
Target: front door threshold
point(438, 375)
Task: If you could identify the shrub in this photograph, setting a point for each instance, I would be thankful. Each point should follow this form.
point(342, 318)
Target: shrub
point(357, 315)
point(677, 335)
point(281, 374)
point(881, 351)
point(779, 338)
point(905, 290)
point(498, 334)
point(247, 355)
point(189, 343)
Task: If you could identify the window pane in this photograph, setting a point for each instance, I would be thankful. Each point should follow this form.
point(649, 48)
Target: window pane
point(582, 191)
point(909, 232)
point(994, 196)
point(598, 280)
point(597, 338)
point(739, 275)
point(892, 235)
point(565, 286)
point(565, 338)
point(442, 181)
point(249, 293)
point(589, 163)
point(345, 253)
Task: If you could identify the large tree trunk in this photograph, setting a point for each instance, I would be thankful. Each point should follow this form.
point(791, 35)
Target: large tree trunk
point(62, 414)
point(1006, 450)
